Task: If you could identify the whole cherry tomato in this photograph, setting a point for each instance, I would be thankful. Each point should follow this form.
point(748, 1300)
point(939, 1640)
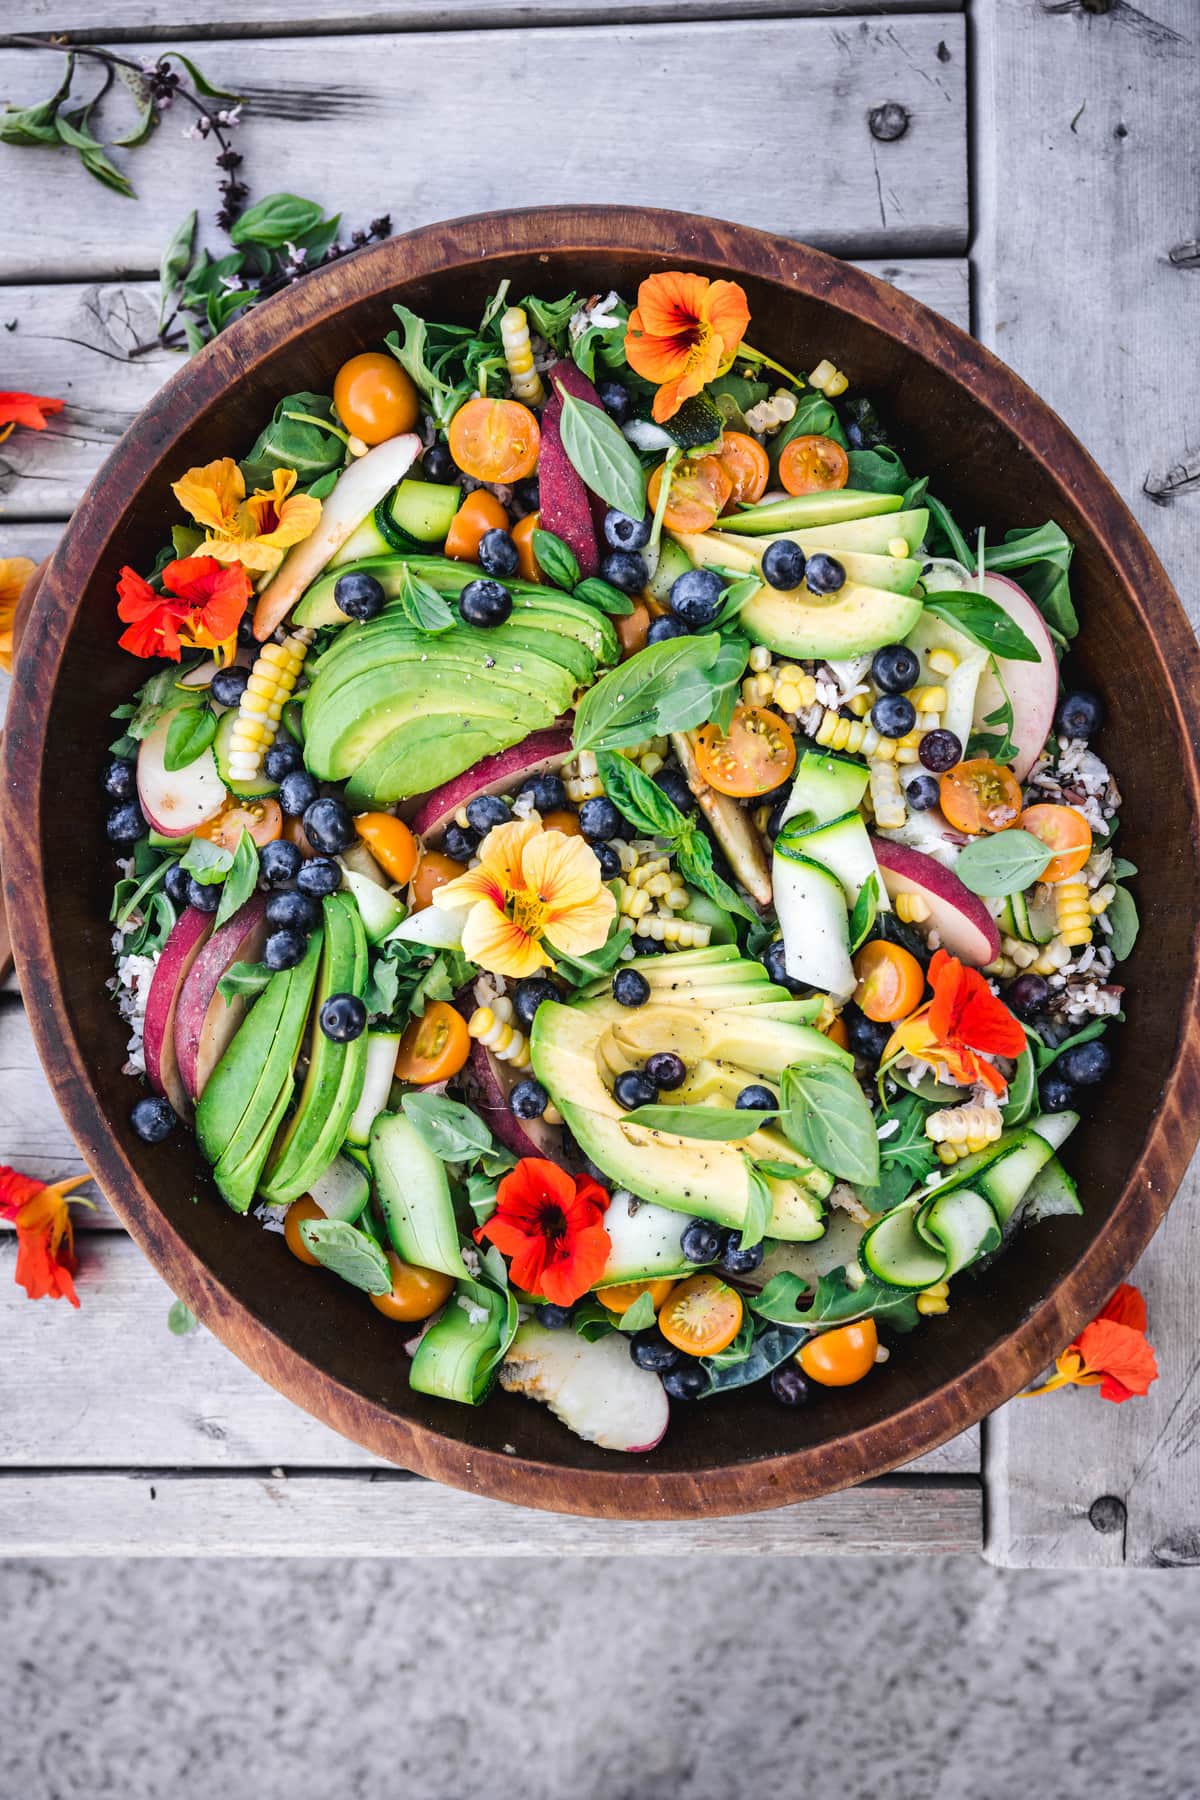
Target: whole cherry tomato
point(840, 1358)
point(375, 398)
point(415, 1292)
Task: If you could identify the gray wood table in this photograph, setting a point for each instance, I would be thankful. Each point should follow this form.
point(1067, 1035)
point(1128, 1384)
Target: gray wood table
point(1043, 194)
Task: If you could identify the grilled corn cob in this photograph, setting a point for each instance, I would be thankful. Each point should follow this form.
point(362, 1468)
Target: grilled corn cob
point(269, 686)
point(518, 356)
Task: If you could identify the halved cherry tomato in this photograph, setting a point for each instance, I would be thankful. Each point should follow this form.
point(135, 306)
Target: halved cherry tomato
point(840, 1358)
point(433, 871)
point(375, 397)
point(522, 537)
point(294, 832)
point(479, 513)
point(495, 440)
point(700, 489)
point(1064, 831)
point(566, 822)
point(890, 981)
point(837, 1033)
point(632, 628)
point(620, 1298)
point(756, 755)
point(813, 465)
point(433, 1047)
point(702, 1315)
point(300, 1210)
point(391, 843)
point(263, 819)
point(415, 1292)
point(746, 463)
point(980, 795)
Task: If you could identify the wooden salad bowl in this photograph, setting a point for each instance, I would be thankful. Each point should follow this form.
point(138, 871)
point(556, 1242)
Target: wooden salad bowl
point(999, 457)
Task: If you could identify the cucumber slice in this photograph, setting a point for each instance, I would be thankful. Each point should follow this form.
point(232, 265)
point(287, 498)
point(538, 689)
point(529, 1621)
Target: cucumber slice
point(245, 790)
point(1055, 1128)
point(895, 1252)
point(381, 911)
point(843, 846)
point(414, 1196)
point(1033, 924)
point(827, 786)
point(382, 1050)
point(1051, 1193)
point(961, 1225)
point(457, 1357)
point(423, 510)
point(673, 561)
point(365, 540)
point(342, 1191)
point(810, 905)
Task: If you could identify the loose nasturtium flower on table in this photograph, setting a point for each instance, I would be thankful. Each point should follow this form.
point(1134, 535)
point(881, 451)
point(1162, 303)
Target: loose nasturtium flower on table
point(29, 410)
point(14, 573)
point(45, 1240)
point(200, 609)
point(530, 885)
point(960, 1027)
point(549, 1223)
point(683, 331)
point(256, 531)
point(1111, 1353)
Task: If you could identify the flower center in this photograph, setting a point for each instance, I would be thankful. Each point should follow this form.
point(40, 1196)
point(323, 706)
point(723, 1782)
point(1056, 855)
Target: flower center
point(528, 912)
point(552, 1222)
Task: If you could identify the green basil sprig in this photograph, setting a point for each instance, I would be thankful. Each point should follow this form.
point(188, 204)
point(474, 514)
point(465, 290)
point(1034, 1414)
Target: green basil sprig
point(866, 910)
point(421, 603)
point(241, 880)
point(447, 1127)
point(759, 1205)
point(640, 1316)
point(710, 1124)
point(556, 560)
point(602, 458)
point(1122, 915)
point(651, 813)
point(275, 221)
point(189, 734)
point(348, 1252)
point(1004, 863)
point(666, 687)
point(604, 596)
point(979, 618)
point(827, 1117)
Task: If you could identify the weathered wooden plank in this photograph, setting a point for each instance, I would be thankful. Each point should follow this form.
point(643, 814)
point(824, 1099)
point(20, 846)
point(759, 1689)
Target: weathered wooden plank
point(366, 107)
point(1091, 307)
point(390, 1515)
point(33, 1136)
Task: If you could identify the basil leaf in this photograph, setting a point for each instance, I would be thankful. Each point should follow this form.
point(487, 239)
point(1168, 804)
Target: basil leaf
point(200, 81)
point(276, 221)
point(980, 618)
point(712, 1124)
point(768, 1350)
point(694, 859)
point(639, 799)
point(640, 1316)
point(827, 1118)
point(1122, 915)
point(759, 1207)
point(592, 1319)
point(241, 880)
point(33, 125)
point(734, 598)
point(1022, 1092)
point(604, 596)
point(421, 604)
point(602, 458)
point(348, 1252)
point(1004, 863)
point(207, 862)
point(189, 734)
point(877, 471)
point(242, 978)
point(627, 704)
point(556, 560)
point(866, 907)
point(447, 1127)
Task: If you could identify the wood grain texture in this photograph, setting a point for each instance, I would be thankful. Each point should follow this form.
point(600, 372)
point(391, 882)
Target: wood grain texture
point(359, 119)
point(1097, 313)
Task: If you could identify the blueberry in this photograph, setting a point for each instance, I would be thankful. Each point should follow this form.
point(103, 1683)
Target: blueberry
point(666, 1070)
point(894, 668)
point(893, 715)
point(686, 1382)
point(245, 632)
point(736, 1261)
point(486, 811)
point(284, 949)
point(1080, 715)
point(228, 685)
point(125, 824)
point(328, 825)
point(615, 400)
point(824, 574)
point(318, 877)
point(626, 570)
point(527, 495)
point(865, 1037)
point(631, 1089)
point(673, 785)
point(854, 435)
point(120, 779)
point(554, 1318)
point(297, 792)
point(153, 1119)
point(279, 862)
point(484, 603)
point(528, 1099)
point(530, 993)
point(547, 792)
point(650, 1350)
point(1085, 1064)
point(599, 820)
point(358, 595)
point(283, 756)
point(459, 844)
point(922, 793)
point(701, 1241)
point(775, 963)
point(437, 464)
point(696, 597)
point(630, 988)
point(497, 554)
point(775, 818)
point(756, 1098)
point(295, 911)
point(940, 750)
point(1026, 994)
point(667, 627)
point(203, 897)
point(1055, 1094)
point(610, 862)
point(788, 1385)
point(343, 1018)
point(623, 533)
point(783, 564)
point(1052, 1032)
point(176, 883)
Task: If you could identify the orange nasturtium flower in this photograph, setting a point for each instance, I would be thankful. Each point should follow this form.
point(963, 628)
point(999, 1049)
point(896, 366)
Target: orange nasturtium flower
point(530, 885)
point(960, 1027)
point(1111, 1353)
point(45, 1241)
point(200, 609)
point(256, 531)
point(684, 330)
point(550, 1224)
point(25, 409)
point(14, 573)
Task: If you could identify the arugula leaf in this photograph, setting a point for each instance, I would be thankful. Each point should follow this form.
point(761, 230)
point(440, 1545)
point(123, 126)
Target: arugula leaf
point(421, 604)
point(999, 745)
point(663, 688)
point(1004, 863)
point(1044, 553)
point(296, 443)
point(128, 894)
point(207, 862)
point(1122, 915)
point(189, 734)
point(982, 619)
point(556, 560)
point(759, 1204)
point(866, 909)
point(241, 880)
point(603, 344)
point(835, 1301)
point(243, 978)
point(713, 1124)
point(601, 456)
point(905, 1157)
point(826, 1116)
point(348, 1252)
point(767, 1351)
point(447, 1127)
point(604, 596)
point(550, 318)
point(406, 976)
point(413, 350)
point(735, 1352)
point(640, 1316)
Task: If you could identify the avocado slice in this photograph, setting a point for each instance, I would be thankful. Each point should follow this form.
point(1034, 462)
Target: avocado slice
point(318, 607)
point(851, 622)
point(864, 537)
point(724, 550)
point(800, 512)
point(340, 736)
point(594, 630)
point(230, 1088)
point(421, 756)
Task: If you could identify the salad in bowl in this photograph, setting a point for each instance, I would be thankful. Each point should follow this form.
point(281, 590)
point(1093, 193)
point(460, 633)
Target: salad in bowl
point(607, 864)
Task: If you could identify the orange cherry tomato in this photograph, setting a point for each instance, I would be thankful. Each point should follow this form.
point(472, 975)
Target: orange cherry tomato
point(756, 755)
point(263, 819)
point(746, 463)
point(415, 1292)
point(840, 1358)
point(479, 513)
point(980, 795)
point(700, 490)
point(1064, 831)
point(300, 1210)
point(813, 465)
point(375, 397)
point(632, 628)
point(495, 440)
point(620, 1298)
point(890, 981)
point(433, 1047)
point(433, 871)
point(391, 843)
point(566, 822)
point(702, 1315)
point(522, 537)
point(294, 832)
point(837, 1033)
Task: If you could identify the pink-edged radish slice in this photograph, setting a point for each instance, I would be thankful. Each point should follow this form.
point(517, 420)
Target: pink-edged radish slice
point(183, 946)
point(565, 504)
point(175, 803)
point(205, 1021)
point(961, 920)
point(595, 1389)
point(359, 489)
point(1031, 687)
point(487, 1083)
point(539, 754)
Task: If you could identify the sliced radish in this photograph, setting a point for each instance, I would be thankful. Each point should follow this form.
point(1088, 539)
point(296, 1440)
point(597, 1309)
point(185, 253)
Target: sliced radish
point(175, 803)
point(963, 924)
point(543, 752)
point(1032, 688)
point(205, 1022)
point(597, 1391)
point(487, 1083)
point(180, 951)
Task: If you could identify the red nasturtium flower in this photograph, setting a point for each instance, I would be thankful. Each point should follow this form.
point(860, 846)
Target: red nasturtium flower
point(1111, 1353)
point(203, 602)
point(45, 1241)
point(960, 1027)
point(549, 1224)
point(684, 330)
point(25, 409)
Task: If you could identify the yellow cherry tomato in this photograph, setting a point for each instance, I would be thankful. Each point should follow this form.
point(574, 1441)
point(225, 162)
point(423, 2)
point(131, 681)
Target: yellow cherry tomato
point(620, 1298)
point(980, 795)
point(375, 398)
point(495, 440)
point(433, 871)
point(391, 843)
point(415, 1292)
point(842, 1357)
point(756, 756)
point(702, 1315)
point(434, 1047)
point(300, 1210)
point(1064, 831)
point(890, 981)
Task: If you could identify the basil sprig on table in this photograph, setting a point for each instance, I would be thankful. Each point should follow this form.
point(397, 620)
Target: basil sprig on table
point(1004, 863)
point(601, 456)
point(650, 812)
point(666, 687)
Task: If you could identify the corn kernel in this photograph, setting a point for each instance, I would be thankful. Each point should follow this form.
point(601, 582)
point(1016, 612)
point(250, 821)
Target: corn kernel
point(942, 662)
point(929, 699)
point(489, 1026)
point(1102, 899)
point(518, 356)
point(1072, 911)
point(760, 659)
point(824, 371)
point(911, 909)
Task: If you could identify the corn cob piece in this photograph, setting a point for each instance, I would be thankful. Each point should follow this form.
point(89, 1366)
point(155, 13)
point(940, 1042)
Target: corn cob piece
point(959, 1131)
point(1072, 912)
point(581, 778)
point(1054, 957)
point(518, 357)
point(828, 380)
point(490, 1025)
point(887, 799)
point(858, 738)
point(271, 683)
point(675, 934)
